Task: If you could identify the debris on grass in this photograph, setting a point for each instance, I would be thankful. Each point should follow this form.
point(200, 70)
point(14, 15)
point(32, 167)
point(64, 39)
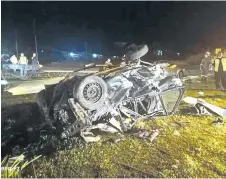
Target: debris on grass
point(218, 121)
point(187, 146)
point(204, 107)
point(154, 134)
point(201, 93)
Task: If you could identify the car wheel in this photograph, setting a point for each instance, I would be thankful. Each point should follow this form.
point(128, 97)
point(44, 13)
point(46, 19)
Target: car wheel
point(140, 52)
point(180, 74)
point(91, 92)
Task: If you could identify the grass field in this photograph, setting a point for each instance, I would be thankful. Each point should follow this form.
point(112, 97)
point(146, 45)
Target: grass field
point(187, 146)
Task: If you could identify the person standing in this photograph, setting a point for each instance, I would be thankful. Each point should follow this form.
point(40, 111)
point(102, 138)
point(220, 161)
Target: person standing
point(35, 64)
point(220, 71)
point(205, 66)
point(13, 60)
point(123, 62)
point(108, 64)
point(23, 64)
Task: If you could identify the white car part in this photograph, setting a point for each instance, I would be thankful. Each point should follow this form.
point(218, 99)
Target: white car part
point(211, 107)
point(4, 82)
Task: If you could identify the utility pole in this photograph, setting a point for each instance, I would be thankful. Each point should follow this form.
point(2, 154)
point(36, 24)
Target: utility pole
point(100, 49)
point(15, 32)
point(36, 44)
point(17, 54)
point(86, 50)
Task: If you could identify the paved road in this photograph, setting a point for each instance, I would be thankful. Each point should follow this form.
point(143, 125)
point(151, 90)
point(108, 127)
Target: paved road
point(19, 87)
point(31, 86)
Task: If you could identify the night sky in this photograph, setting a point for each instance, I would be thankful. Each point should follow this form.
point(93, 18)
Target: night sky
point(181, 26)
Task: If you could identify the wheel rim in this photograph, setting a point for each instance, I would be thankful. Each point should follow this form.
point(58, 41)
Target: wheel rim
point(62, 115)
point(92, 92)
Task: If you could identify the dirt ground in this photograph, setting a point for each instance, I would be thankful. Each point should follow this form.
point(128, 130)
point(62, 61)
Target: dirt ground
point(187, 146)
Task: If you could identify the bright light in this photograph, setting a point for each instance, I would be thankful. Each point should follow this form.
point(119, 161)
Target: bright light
point(42, 50)
point(72, 54)
point(94, 55)
point(178, 54)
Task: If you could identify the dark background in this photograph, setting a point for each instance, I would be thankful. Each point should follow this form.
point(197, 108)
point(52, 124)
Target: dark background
point(185, 27)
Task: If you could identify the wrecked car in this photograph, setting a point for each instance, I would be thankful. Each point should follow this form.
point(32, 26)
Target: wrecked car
point(112, 100)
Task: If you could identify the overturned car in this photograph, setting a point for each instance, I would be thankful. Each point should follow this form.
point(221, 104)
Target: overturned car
point(112, 100)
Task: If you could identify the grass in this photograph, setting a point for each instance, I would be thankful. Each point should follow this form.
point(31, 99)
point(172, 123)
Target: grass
point(187, 146)
point(13, 169)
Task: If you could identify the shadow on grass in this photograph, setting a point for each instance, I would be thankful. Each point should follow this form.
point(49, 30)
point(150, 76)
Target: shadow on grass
point(24, 130)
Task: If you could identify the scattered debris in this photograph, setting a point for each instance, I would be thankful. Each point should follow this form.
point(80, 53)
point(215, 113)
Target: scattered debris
point(176, 132)
point(201, 93)
point(218, 121)
point(174, 166)
point(154, 134)
point(145, 134)
point(91, 138)
point(205, 108)
point(113, 100)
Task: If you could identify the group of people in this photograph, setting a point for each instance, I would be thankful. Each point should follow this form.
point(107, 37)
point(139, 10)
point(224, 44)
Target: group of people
point(22, 62)
point(218, 64)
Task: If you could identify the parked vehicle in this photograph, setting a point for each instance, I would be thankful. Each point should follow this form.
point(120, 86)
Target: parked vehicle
point(9, 66)
point(4, 83)
point(173, 69)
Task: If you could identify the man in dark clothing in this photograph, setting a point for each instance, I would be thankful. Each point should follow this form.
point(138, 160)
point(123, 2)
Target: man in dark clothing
point(220, 71)
point(205, 66)
point(35, 64)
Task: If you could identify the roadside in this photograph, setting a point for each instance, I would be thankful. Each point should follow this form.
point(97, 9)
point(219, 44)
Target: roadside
point(187, 145)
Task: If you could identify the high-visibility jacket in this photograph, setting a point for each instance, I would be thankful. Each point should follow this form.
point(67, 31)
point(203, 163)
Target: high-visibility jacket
point(217, 63)
point(23, 60)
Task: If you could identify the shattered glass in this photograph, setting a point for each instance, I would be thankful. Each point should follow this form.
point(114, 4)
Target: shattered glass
point(140, 90)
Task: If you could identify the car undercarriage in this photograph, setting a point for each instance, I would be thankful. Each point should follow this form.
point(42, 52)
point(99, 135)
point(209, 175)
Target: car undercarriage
point(112, 100)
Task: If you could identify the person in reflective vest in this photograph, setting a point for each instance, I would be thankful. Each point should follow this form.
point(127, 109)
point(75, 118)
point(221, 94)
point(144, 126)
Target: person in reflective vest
point(23, 63)
point(220, 71)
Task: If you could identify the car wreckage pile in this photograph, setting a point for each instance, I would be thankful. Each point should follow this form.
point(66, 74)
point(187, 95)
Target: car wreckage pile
point(112, 100)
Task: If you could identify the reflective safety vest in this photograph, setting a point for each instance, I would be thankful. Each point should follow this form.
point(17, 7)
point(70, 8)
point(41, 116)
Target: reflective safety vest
point(23, 60)
point(217, 63)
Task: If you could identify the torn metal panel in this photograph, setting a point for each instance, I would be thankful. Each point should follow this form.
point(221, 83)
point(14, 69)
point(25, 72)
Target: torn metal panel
point(204, 107)
point(113, 100)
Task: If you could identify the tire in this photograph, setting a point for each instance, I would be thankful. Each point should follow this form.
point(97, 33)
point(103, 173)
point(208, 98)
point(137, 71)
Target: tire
point(136, 54)
point(180, 74)
point(82, 90)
